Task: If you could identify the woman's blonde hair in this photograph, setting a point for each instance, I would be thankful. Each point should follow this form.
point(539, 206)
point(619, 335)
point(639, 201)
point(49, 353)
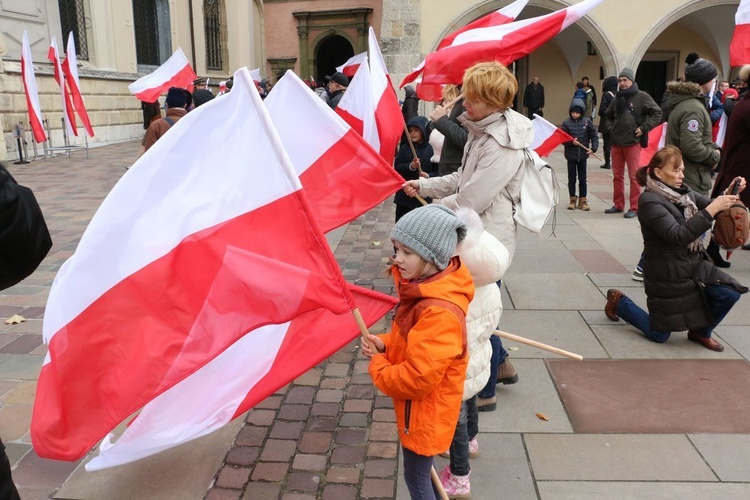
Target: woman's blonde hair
point(491, 83)
point(450, 92)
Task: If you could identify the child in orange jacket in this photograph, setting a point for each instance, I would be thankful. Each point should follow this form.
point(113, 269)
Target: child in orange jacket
point(422, 363)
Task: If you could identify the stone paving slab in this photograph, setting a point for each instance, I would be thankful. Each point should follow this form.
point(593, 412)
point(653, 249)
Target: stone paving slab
point(545, 291)
point(727, 454)
point(590, 490)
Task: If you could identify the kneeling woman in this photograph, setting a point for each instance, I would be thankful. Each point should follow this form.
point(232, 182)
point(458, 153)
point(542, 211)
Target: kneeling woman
point(685, 291)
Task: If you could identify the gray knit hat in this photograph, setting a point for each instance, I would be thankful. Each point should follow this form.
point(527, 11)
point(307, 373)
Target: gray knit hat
point(699, 70)
point(627, 73)
point(432, 231)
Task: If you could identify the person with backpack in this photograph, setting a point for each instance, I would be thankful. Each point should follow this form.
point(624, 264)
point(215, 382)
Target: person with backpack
point(176, 104)
point(490, 178)
point(609, 87)
point(584, 134)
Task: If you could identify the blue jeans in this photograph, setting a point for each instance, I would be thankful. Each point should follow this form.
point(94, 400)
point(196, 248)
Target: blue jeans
point(418, 476)
point(579, 168)
point(498, 358)
point(720, 299)
point(467, 429)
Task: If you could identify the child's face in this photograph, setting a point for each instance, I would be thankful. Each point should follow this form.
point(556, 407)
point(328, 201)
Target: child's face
point(415, 134)
point(410, 264)
point(575, 115)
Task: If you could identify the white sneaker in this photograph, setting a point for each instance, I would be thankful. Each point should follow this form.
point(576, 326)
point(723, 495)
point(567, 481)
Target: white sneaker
point(638, 274)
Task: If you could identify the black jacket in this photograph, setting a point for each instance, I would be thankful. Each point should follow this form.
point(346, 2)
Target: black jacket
point(404, 158)
point(609, 87)
point(584, 130)
point(674, 277)
point(533, 97)
point(456, 136)
point(629, 110)
point(334, 98)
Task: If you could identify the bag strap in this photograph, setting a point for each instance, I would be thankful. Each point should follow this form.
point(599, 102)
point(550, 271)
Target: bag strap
point(169, 120)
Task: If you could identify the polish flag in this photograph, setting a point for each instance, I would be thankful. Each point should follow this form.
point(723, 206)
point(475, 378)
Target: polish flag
point(222, 88)
point(29, 88)
point(197, 246)
point(547, 136)
point(251, 369)
point(506, 15)
point(657, 138)
point(175, 72)
point(739, 49)
point(70, 69)
point(505, 44)
point(255, 75)
point(350, 67)
point(357, 106)
point(342, 174)
point(67, 106)
point(388, 117)
point(719, 130)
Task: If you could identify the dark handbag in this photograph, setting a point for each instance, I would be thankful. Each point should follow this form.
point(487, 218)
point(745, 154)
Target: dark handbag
point(644, 140)
point(732, 226)
point(24, 237)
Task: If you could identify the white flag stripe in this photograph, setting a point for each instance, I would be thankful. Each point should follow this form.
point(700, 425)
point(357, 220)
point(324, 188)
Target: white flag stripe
point(287, 104)
point(200, 404)
point(743, 13)
point(353, 61)
point(156, 197)
point(30, 79)
point(57, 62)
point(255, 75)
point(577, 11)
point(70, 53)
point(378, 70)
point(359, 101)
point(171, 67)
point(543, 130)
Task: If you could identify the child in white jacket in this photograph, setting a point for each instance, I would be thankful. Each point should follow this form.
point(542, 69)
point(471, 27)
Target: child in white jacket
point(487, 259)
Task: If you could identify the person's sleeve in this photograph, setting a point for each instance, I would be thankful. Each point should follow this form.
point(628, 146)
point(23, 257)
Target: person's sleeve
point(542, 92)
point(453, 132)
point(435, 342)
point(653, 115)
point(439, 187)
point(151, 136)
point(691, 141)
point(403, 159)
point(594, 137)
point(656, 216)
point(526, 97)
point(565, 128)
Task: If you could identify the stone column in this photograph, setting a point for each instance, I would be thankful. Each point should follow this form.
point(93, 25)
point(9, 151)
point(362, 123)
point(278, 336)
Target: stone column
point(399, 37)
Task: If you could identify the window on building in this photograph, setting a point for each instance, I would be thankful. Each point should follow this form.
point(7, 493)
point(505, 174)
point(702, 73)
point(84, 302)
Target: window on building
point(153, 43)
point(212, 24)
point(72, 18)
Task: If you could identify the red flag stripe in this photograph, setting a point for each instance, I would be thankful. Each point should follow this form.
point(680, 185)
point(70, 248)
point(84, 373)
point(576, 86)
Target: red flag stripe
point(739, 49)
point(390, 123)
point(175, 72)
point(550, 143)
point(30, 90)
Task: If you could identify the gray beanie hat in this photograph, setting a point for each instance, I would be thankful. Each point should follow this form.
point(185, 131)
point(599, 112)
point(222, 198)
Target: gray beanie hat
point(699, 70)
point(432, 231)
point(627, 73)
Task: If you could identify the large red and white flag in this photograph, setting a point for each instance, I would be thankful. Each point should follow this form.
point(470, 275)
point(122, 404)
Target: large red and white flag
point(547, 136)
point(67, 106)
point(251, 369)
point(175, 72)
point(505, 44)
point(70, 69)
point(342, 174)
point(32, 95)
point(657, 138)
point(506, 15)
point(198, 245)
point(350, 67)
point(719, 130)
point(739, 48)
point(357, 106)
point(388, 117)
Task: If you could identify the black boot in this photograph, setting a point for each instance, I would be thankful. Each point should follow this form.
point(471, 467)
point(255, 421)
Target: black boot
point(715, 254)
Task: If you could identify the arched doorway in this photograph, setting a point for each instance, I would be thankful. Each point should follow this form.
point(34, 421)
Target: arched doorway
point(331, 52)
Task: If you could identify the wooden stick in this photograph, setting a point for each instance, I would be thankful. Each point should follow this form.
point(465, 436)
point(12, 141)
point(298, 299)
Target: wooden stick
point(539, 345)
point(421, 200)
point(411, 145)
point(589, 151)
point(453, 102)
point(438, 484)
point(365, 332)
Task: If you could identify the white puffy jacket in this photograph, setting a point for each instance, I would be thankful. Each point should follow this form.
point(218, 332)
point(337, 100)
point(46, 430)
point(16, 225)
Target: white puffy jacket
point(487, 259)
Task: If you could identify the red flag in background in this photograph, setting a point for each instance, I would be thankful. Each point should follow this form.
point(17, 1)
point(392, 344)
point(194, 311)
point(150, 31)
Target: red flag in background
point(196, 247)
point(68, 114)
point(70, 69)
point(175, 72)
point(656, 140)
point(350, 67)
point(29, 88)
point(505, 44)
point(739, 49)
point(547, 136)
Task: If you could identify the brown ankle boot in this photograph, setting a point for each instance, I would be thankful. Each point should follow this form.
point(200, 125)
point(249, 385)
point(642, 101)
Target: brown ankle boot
point(582, 204)
point(572, 204)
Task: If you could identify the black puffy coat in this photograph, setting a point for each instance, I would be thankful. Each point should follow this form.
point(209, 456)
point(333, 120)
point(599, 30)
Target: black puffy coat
point(582, 129)
point(455, 139)
point(674, 277)
point(404, 158)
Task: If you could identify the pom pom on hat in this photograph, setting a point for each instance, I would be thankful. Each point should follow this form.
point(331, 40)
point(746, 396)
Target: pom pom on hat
point(431, 231)
point(699, 70)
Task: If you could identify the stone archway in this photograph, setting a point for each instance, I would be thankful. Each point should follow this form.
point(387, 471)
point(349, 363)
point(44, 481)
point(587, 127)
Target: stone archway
point(330, 52)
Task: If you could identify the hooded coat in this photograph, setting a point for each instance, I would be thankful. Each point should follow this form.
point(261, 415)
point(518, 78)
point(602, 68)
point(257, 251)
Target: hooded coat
point(581, 128)
point(609, 87)
point(489, 179)
point(689, 129)
point(404, 158)
point(424, 364)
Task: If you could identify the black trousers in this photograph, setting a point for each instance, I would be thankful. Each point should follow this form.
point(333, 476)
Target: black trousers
point(8, 490)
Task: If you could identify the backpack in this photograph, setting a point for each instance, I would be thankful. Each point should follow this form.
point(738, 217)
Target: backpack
point(539, 194)
point(24, 237)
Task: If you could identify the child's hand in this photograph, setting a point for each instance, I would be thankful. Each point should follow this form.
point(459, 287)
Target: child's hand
point(416, 164)
point(373, 341)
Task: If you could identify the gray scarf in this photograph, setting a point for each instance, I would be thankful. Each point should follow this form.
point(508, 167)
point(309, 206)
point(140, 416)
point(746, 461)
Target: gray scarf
point(681, 200)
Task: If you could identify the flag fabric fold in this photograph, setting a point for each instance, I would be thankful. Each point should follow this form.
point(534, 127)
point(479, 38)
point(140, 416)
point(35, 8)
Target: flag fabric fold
point(175, 72)
point(70, 70)
point(501, 16)
point(657, 138)
point(342, 174)
point(739, 48)
point(30, 89)
point(229, 385)
point(547, 136)
point(719, 130)
point(350, 67)
point(388, 117)
point(198, 245)
point(357, 106)
point(67, 106)
point(505, 43)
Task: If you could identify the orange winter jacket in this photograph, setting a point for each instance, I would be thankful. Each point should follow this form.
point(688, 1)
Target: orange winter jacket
point(424, 364)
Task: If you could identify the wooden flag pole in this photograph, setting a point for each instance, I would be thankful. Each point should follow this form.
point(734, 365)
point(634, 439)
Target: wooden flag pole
point(588, 150)
point(365, 332)
point(539, 345)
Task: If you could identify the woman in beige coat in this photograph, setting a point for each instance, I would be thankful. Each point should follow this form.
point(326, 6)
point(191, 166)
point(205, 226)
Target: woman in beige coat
point(489, 178)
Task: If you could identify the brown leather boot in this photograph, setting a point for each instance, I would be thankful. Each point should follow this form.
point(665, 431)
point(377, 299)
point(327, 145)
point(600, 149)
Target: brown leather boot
point(572, 204)
point(506, 373)
point(582, 204)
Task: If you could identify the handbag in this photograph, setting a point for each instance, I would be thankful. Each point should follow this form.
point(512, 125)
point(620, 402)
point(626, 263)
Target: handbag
point(732, 226)
point(24, 237)
point(539, 194)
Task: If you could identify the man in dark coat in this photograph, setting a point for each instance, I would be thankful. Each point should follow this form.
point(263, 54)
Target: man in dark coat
point(337, 84)
point(533, 98)
point(609, 87)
